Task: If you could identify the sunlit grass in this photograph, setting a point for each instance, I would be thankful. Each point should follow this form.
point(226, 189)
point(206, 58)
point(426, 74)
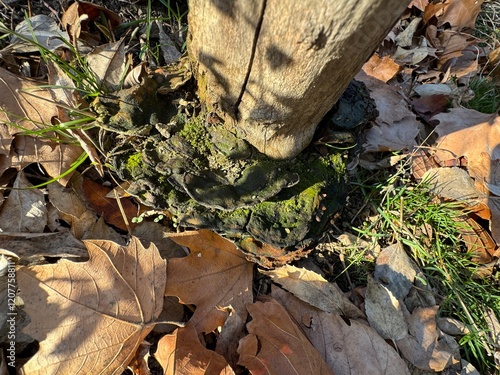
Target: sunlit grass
point(430, 230)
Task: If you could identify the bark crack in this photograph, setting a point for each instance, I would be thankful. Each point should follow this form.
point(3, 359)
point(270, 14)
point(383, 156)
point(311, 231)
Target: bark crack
point(250, 62)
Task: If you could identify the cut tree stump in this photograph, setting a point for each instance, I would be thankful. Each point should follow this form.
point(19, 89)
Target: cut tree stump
point(273, 68)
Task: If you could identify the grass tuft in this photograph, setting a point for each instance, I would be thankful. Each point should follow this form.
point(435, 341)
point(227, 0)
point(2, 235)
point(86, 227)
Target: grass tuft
point(430, 231)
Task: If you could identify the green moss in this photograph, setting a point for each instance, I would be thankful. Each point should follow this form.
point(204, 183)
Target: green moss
point(135, 165)
point(195, 133)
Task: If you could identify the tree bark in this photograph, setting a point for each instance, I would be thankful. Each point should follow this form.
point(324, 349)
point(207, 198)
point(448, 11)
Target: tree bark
point(274, 68)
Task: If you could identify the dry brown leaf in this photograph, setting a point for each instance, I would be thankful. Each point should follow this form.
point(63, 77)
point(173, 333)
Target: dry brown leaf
point(77, 17)
point(214, 274)
point(348, 347)
point(458, 53)
point(149, 231)
point(276, 345)
point(91, 317)
point(139, 363)
point(108, 208)
point(65, 94)
point(55, 157)
point(107, 61)
point(478, 241)
point(419, 4)
point(405, 37)
point(396, 126)
point(493, 203)
point(26, 107)
point(382, 69)
point(102, 231)
point(230, 335)
point(452, 183)
point(172, 311)
point(22, 104)
point(37, 245)
point(415, 54)
point(424, 347)
point(181, 353)
point(24, 209)
point(269, 256)
point(384, 311)
point(494, 328)
point(456, 184)
point(460, 14)
point(494, 62)
point(482, 132)
point(421, 162)
point(395, 270)
point(430, 105)
point(40, 28)
point(400, 135)
point(72, 210)
point(63, 90)
point(314, 289)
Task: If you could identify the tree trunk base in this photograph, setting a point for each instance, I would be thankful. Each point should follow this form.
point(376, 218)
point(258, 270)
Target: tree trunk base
point(206, 177)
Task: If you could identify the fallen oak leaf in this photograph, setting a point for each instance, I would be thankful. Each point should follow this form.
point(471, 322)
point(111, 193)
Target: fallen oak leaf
point(276, 345)
point(214, 274)
point(91, 317)
point(460, 14)
point(346, 345)
point(314, 289)
point(181, 353)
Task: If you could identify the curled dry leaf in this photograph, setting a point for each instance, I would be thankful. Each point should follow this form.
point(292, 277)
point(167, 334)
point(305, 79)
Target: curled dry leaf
point(214, 274)
point(276, 345)
point(77, 17)
point(382, 69)
point(181, 353)
point(347, 346)
point(91, 317)
point(107, 61)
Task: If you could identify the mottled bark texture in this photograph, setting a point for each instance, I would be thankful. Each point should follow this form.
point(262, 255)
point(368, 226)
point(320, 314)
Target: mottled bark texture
point(273, 68)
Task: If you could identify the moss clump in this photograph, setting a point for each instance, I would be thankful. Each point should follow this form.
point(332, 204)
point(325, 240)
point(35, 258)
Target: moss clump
point(135, 165)
point(196, 135)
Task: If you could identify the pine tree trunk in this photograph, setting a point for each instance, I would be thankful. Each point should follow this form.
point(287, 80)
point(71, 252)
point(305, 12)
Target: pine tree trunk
point(273, 68)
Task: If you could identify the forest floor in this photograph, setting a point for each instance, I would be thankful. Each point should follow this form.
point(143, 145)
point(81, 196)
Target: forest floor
point(405, 278)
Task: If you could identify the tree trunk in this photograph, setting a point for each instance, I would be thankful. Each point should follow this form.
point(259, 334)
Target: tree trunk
point(273, 68)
